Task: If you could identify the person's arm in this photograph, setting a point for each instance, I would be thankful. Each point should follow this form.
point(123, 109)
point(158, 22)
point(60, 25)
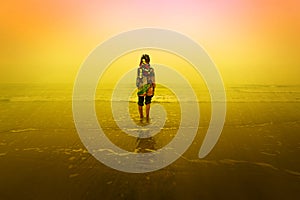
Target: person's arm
point(138, 78)
point(153, 79)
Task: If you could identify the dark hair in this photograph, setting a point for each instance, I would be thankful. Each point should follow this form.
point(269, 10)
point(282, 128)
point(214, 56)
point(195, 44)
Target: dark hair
point(146, 57)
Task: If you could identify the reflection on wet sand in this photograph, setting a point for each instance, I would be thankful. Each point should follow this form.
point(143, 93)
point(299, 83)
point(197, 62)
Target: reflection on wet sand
point(145, 143)
point(257, 156)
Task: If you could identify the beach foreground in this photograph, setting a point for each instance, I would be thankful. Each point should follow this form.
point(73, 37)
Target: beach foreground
point(42, 156)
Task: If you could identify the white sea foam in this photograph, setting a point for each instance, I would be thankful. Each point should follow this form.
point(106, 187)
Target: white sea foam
point(239, 94)
point(23, 130)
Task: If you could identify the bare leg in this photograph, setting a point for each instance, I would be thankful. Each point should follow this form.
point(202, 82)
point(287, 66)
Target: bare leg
point(141, 111)
point(147, 110)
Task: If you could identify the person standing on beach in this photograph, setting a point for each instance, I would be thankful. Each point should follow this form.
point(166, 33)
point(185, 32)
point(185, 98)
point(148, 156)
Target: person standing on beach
point(145, 82)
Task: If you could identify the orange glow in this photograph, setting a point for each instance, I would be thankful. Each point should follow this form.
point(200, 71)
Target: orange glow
point(250, 41)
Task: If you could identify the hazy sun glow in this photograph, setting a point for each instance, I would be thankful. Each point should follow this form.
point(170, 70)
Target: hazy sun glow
point(250, 41)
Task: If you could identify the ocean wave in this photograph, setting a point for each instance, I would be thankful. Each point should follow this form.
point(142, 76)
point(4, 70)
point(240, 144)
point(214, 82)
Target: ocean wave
point(270, 123)
point(228, 100)
point(234, 94)
point(268, 86)
point(227, 161)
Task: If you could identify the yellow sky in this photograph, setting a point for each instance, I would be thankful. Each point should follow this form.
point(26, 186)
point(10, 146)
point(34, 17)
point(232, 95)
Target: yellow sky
point(250, 41)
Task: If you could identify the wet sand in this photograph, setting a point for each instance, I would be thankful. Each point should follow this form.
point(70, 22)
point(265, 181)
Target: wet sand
point(257, 156)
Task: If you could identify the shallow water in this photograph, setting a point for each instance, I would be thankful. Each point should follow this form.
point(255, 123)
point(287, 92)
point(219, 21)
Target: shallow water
point(256, 157)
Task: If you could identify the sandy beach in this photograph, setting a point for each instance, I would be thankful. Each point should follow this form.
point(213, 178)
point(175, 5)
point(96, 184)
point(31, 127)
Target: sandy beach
point(256, 157)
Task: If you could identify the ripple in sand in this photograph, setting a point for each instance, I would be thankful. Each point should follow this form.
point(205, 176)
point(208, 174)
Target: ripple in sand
point(3, 154)
point(72, 158)
point(268, 154)
point(23, 130)
point(73, 175)
point(32, 149)
point(292, 172)
point(265, 165)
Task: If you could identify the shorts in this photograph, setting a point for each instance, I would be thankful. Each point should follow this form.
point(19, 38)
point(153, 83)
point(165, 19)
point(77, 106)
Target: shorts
point(146, 98)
